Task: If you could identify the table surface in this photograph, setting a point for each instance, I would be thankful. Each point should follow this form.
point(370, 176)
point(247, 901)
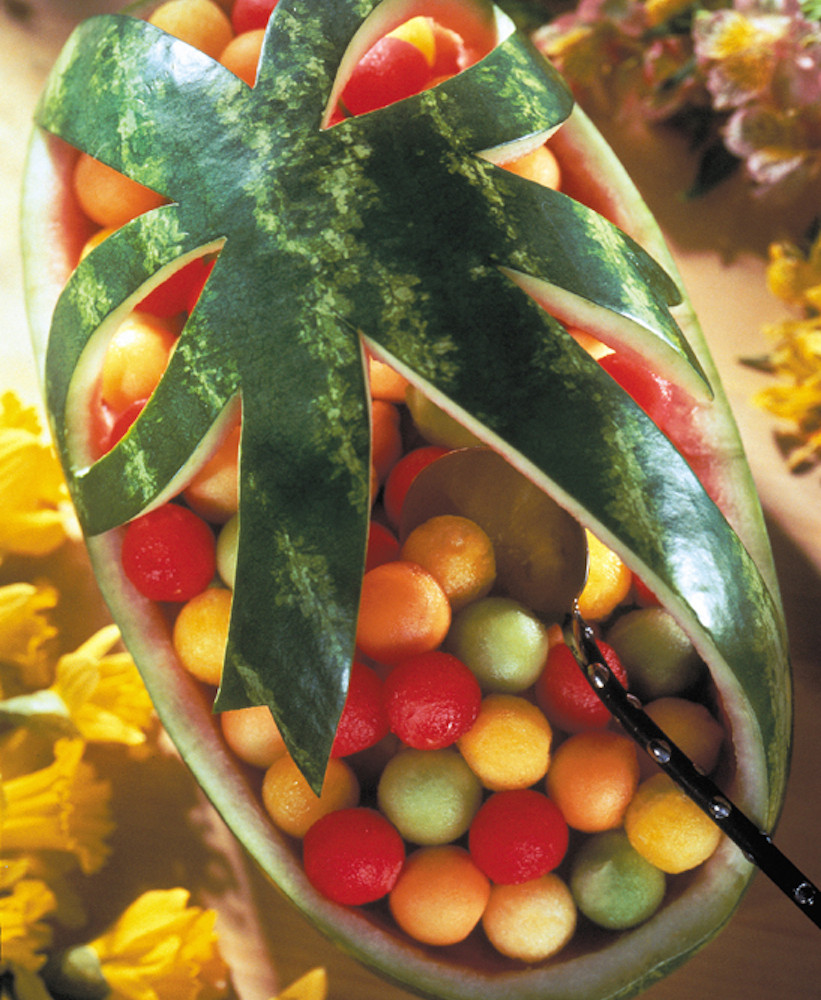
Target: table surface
point(769, 950)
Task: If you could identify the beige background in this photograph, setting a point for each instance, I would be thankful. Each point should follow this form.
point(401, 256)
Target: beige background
point(770, 950)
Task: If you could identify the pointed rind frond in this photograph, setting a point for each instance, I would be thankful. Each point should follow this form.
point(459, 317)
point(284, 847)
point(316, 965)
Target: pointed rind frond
point(107, 284)
point(296, 601)
point(302, 51)
point(392, 225)
point(124, 117)
point(521, 95)
point(580, 252)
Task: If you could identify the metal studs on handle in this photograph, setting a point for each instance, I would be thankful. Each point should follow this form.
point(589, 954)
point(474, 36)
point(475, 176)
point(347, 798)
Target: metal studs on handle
point(756, 846)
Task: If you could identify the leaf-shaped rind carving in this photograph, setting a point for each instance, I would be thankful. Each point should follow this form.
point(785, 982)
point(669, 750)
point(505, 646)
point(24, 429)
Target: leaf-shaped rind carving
point(394, 225)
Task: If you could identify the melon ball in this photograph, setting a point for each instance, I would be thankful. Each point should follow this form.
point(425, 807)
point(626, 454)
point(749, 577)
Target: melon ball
point(201, 23)
point(655, 651)
point(517, 836)
point(226, 553)
point(530, 921)
point(353, 856)
point(291, 802)
point(691, 726)
point(612, 884)
point(508, 746)
point(503, 643)
point(667, 828)
point(253, 735)
point(440, 895)
point(136, 359)
point(430, 796)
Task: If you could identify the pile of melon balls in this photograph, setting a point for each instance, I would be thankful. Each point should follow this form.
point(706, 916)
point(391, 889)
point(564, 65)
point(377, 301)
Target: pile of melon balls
point(476, 781)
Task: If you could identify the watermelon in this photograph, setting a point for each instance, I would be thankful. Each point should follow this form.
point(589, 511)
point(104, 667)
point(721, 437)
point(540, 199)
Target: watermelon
point(396, 231)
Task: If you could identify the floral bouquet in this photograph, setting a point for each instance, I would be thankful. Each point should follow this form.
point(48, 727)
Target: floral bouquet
point(743, 78)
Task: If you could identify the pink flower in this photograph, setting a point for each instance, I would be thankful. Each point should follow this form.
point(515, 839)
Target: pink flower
point(762, 63)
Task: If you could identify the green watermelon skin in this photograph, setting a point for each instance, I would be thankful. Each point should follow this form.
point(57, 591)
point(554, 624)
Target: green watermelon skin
point(756, 701)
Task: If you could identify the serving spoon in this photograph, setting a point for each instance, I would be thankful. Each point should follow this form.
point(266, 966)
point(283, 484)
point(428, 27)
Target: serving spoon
point(479, 484)
point(756, 845)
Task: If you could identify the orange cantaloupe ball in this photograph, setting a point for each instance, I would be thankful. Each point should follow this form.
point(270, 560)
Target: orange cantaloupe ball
point(294, 806)
point(539, 165)
point(386, 383)
point(440, 895)
point(691, 726)
point(386, 438)
point(403, 611)
point(135, 359)
point(458, 552)
point(253, 735)
point(201, 23)
point(592, 778)
point(200, 633)
point(241, 55)
point(108, 197)
point(214, 491)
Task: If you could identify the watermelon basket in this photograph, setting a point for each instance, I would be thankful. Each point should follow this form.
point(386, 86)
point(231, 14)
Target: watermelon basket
point(697, 539)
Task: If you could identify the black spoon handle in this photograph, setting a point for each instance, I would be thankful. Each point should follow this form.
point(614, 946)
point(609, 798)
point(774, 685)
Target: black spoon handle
point(757, 846)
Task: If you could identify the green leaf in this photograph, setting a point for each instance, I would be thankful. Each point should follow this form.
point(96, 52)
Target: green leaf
point(811, 9)
point(395, 226)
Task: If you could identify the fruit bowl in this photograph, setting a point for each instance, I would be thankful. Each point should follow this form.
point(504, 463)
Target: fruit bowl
point(747, 658)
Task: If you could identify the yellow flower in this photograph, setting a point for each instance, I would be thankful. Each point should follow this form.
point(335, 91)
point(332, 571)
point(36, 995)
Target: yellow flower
point(743, 50)
point(796, 399)
point(25, 631)
point(162, 949)
point(103, 691)
point(32, 489)
point(312, 986)
point(601, 61)
point(58, 871)
point(581, 52)
point(62, 807)
point(23, 902)
point(795, 278)
point(659, 11)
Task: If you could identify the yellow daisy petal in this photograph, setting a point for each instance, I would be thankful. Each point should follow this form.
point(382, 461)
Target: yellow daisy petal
point(792, 277)
point(58, 871)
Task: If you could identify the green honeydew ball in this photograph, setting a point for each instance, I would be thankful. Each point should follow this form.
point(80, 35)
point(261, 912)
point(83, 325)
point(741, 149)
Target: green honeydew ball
point(227, 551)
point(612, 883)
point(430, 796)
point(503, 643)
point(658, 656)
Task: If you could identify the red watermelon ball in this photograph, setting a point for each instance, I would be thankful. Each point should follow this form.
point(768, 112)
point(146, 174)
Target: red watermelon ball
point(353, 856)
